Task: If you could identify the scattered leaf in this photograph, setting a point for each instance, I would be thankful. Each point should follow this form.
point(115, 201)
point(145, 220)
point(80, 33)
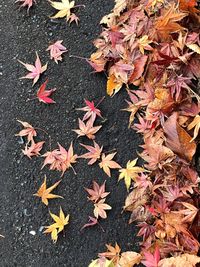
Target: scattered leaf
point(43, 94)
point(107, 163)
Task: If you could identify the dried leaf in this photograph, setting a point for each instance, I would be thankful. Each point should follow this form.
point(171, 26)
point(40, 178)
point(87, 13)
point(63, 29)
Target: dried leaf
point(56, 50)
point(180, 261)
point(43, 94)
point(45, 193)
point(196, 125)
point(112, 253)
point(129, 259)
point(29, 131)
point(87, 129)
point(97, 192)
point(94, 153)
point(35, 71)
point(100, 209)
point(33, 150)
point(107, 163)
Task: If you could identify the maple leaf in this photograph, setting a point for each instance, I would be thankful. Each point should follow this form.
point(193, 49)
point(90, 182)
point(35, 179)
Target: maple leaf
point(87, 129)
point(94, 153)
point(167, 22)
point(154, 3)
point(74, 18)
point(29, 131)
point(152, 260)
point(35, 71)
point(60, 159)
point(107, 163)
point(45, 193)
point(129, 259)
point(130, 173)
point(102, 262)
point(92, 222)
point(189, 213)
point(33, 149)
point(43, 95)
point(56, 50)
point(58, 226)
point(196, 125)
point(97, 192)
point(100, 209)
point(178, 140)
point(91, 110)
point(179, 261)
point(143, 43)
point(113, 253)
point(28, 3)
point(64, 8)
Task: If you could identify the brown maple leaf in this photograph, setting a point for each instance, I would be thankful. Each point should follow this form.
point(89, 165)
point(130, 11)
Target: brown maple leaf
point(45, 193)
point(196, 125)
point(112, 253)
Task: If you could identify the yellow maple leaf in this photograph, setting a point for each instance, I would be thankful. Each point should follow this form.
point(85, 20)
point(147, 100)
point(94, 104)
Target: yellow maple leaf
point(143, 43)
point(58, 226)
point(196, 125)
point(130, 172)
point(45, 193)
point(64, 8)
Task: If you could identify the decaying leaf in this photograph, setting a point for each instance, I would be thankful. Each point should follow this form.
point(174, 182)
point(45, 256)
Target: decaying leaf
point(188, 260)
point(112, 253)
point(129, 259)
point(92, 222)
point(26, 3)
point(57, 227)
point(107, 163)
point(45, 193)
point(196, 125)
point(34, 71)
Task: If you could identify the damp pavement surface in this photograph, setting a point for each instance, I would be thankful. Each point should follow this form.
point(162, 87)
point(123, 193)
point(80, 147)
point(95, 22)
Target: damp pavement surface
point(23, 216)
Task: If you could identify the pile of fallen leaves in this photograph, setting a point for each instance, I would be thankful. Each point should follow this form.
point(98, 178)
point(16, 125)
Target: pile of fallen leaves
point(152, 47)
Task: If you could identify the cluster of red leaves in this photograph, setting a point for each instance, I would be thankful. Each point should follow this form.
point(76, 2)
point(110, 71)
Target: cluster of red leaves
point(154, 45)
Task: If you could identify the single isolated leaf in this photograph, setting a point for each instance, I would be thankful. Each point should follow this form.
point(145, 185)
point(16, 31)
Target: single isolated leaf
point(91, 111)
point(58, 226)
point(112, 253)
point(196, 125)
point(97, 192)
point(56, 51)
point(92, 221)
point(43, 94)
point(87, 129)
point(45, 193)
point(100, 209)
point(24, 3)
point(130, 173)
point(33, 149)
point(34, 71)
point(29, 131)
point(107, 163)
point(64, 8)
point(94, 153)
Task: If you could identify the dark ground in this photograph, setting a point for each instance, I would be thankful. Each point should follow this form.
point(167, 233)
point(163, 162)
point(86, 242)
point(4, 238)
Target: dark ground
point(21, 36)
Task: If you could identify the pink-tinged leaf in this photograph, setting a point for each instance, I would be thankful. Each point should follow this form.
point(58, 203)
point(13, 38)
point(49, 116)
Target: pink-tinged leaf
point(73, 18)
point(56, 51)
point(107, 163)
point(35, 71)
point(29, 131)
point(91, 111)
point(92, 221)
point(87, 129)
point(152, 260)
point(97, 192)
point(100, 209)
point(93, 154)
point(24, 3)
point(43, 95)
point(33, 150)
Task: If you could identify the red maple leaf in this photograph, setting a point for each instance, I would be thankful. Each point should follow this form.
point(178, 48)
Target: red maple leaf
point(43, 95)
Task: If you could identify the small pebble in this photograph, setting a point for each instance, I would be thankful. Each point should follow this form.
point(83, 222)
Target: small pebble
point(32, 232)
